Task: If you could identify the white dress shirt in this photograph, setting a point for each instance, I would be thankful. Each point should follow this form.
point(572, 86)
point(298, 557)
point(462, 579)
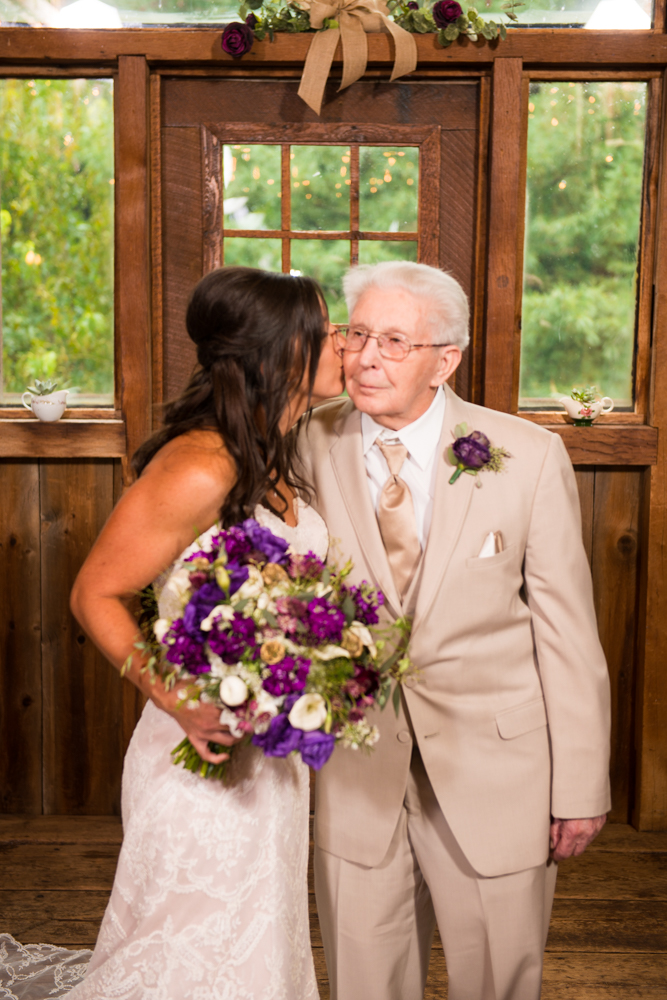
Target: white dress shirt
point(419, 469)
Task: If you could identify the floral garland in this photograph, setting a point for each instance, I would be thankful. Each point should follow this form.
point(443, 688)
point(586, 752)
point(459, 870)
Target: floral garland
point(262, 18)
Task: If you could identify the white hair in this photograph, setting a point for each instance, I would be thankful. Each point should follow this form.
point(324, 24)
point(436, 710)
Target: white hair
point(447, 308)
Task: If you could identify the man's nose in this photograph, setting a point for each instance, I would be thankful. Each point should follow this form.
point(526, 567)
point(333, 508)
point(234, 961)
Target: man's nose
point(369, 355)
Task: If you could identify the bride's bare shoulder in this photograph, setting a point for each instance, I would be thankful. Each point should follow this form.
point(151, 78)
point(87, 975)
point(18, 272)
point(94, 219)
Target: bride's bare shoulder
point(199, 460)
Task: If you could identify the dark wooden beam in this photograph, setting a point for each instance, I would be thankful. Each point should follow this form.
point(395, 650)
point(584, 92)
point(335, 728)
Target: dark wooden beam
point(609, 445)
point(62, 439)
point(554, 46)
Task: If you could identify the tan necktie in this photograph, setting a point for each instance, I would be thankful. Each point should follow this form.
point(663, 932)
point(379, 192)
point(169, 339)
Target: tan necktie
point(396, 517)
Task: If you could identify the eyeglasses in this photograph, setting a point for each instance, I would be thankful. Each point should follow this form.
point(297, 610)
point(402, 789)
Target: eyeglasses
point(392, 346)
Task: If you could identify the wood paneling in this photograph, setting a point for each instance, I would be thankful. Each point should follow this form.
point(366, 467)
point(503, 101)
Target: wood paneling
point(505, 212)
point(615, 556)
point(651, 803)
point(182, 261)
point(63, 439)
point(83, 739)
point(133, 262)
point(20, 663)
point(609, 445)
point(586, 486)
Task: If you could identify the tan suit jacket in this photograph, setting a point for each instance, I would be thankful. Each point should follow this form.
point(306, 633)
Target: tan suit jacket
point(511, 705)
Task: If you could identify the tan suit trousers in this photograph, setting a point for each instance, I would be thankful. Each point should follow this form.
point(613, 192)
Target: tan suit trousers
point(378, 923)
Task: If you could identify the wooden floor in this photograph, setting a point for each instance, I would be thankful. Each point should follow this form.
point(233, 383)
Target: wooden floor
point(608, 938)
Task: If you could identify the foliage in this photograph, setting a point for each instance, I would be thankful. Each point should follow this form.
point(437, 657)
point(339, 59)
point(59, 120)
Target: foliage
point(585, 165)
point(42, 388)
point(586, 394)
point(56, 165)
point(269, 16)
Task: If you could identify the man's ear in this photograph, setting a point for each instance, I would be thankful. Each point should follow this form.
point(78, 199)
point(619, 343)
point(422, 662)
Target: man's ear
point(450, 359)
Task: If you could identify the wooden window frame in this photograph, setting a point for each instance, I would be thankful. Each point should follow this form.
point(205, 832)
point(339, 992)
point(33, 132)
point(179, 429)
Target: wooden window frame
point(425, 138)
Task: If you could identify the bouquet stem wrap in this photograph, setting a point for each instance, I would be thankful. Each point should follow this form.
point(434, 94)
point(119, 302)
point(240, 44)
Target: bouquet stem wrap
point(355, 19)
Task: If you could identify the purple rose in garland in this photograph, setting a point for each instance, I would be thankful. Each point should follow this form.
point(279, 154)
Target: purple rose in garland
point(237, 39)
point(445, 12)
point(412, 5)
point(251, 20)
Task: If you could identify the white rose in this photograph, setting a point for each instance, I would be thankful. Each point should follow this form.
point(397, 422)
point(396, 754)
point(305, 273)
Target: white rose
point(223, 611)
point(253, 586)
point(308, 713)
point(233, 691)
point(176, 589)
point(227, 718)
point(364, 634)
point(161, 627)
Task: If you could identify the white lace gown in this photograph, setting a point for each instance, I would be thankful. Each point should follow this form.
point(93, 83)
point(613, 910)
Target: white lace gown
point(210, 900)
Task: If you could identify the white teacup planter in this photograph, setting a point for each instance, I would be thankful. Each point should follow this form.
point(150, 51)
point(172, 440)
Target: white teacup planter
point(47, 408)
point(584, 414)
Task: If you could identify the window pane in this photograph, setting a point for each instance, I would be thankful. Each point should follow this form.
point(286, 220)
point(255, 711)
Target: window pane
point(624, 16)
point(266, 254)
point(372, 251)
point(320, 179)
point(56, 172)
point(252, 187)
point(326, 261)
point(388, 189)
point(116, 13)
point(585, 165)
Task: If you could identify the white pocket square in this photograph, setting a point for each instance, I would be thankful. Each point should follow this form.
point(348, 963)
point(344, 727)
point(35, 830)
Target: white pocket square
point(493, 544)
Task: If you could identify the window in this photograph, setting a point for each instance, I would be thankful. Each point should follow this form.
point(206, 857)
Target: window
point(57, 198)
point(583, 209)
point(318, 209)
point(624, 15)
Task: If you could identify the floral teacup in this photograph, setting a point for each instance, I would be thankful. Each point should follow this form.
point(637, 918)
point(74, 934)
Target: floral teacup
point(49, 407)
point(586, 413)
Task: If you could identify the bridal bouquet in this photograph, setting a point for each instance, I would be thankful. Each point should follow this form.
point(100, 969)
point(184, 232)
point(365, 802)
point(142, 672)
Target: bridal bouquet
point(280, 643)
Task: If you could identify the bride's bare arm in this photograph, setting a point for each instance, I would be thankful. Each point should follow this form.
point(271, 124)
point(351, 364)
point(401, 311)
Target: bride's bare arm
point(178, 496)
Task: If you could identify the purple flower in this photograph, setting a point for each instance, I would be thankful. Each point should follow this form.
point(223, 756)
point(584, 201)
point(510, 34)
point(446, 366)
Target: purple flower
point(279, 739)
point(251, 20)
point(184, 650)
point(325, 621)
point(237, 575)
point(263, 539)
point(445, 12)
point(198, 579)
point(287, 677)
point(308, 566)
point(412, 5)
point(472, 451)
point(200, 606)
point(236, 543)
point(232, 642)
point(291, 612)
point(237, 39)
point(316, 748)
point(200, 554)
point(366, 603)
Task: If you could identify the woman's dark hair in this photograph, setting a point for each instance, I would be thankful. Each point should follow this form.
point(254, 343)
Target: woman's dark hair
point(258, 335)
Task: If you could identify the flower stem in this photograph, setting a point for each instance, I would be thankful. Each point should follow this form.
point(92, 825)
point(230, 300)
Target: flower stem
point(457, 472)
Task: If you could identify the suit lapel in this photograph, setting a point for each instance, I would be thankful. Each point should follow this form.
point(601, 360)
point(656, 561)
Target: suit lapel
point(450, 508)
point(348, 464)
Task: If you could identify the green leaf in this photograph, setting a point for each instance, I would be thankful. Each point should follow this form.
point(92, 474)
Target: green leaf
point(451, 32)
point(349, 609)
point(503, 31)
point(271, 619)
point(396, 699)
point(461, 430)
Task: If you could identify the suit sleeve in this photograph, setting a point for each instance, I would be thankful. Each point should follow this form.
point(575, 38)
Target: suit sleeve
point(572, 666)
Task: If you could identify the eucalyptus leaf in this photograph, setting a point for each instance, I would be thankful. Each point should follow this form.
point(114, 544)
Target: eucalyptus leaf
point(396, 699)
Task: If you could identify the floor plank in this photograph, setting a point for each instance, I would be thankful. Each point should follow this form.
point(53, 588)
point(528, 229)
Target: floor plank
point(614, 875)
point(608, 937)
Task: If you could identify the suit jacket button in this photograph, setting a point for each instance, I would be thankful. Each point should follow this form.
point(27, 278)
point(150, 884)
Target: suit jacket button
point(410, 682)
point(403, 736)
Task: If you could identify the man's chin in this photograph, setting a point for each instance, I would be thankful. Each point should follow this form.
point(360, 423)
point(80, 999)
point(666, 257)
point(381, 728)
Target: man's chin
point(368, 399)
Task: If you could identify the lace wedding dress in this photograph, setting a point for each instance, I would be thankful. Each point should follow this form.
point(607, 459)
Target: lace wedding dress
point(210, 899)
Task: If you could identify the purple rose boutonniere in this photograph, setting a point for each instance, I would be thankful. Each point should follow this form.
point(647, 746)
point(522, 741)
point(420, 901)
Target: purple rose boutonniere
point(472, 452)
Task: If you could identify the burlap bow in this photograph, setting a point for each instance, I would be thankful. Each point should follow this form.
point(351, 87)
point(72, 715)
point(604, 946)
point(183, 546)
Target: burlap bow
point(355, 17)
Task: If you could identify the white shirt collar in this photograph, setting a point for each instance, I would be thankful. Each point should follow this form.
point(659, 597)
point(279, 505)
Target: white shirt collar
point(420, 437)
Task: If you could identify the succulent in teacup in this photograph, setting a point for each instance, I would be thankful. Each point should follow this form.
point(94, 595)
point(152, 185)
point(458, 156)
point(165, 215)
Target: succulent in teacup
point(44, 388)
point(586, 394)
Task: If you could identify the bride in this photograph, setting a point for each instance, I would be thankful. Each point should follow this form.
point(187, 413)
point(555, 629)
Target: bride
point(210, 896)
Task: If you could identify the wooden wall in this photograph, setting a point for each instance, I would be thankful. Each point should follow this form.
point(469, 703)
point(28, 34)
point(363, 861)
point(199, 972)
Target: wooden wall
point(62, 707)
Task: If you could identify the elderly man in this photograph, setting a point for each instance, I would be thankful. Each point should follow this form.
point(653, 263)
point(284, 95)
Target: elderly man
point(497, 764)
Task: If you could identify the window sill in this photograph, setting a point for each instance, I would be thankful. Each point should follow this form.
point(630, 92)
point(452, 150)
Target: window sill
point(20, 438)
point(609, 444)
